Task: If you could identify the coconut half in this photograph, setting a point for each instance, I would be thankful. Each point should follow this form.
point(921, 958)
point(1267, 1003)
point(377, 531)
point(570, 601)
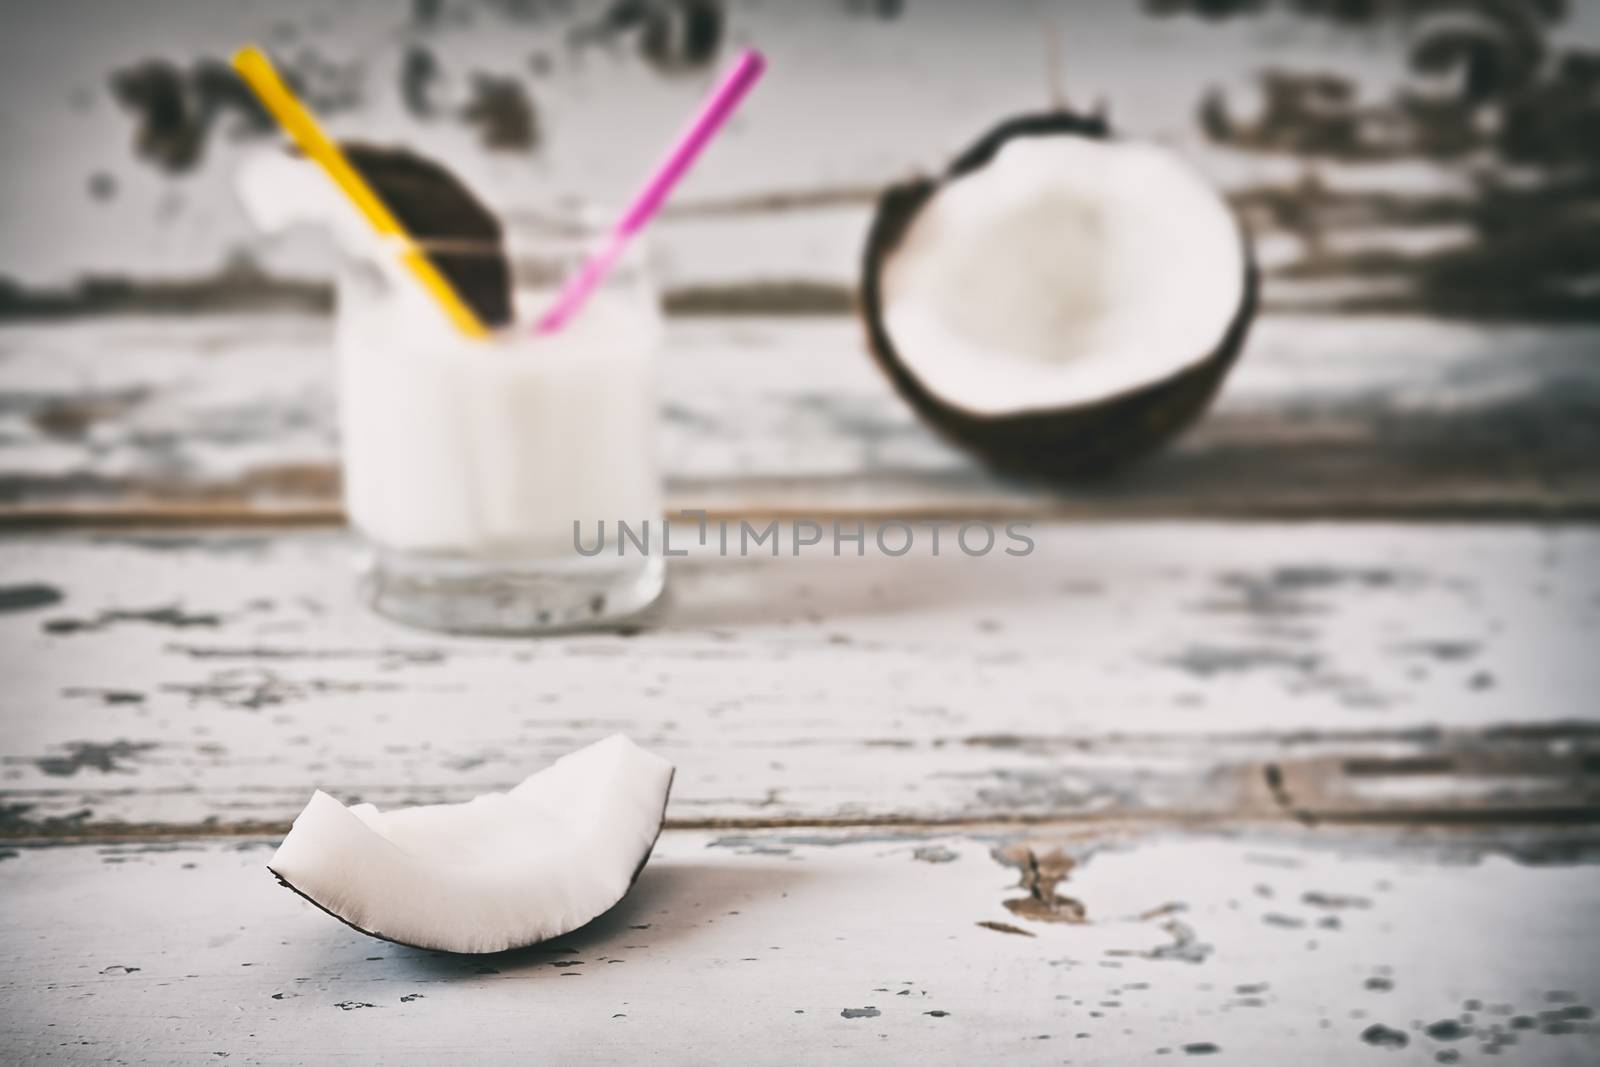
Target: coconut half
point(1060, 301)
point(501, 871)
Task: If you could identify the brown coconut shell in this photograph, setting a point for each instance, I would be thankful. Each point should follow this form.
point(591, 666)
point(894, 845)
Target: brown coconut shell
point(456, 231)
point(1054, 443)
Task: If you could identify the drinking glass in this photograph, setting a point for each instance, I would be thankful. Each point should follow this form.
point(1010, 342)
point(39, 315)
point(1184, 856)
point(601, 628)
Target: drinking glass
point(488, 480)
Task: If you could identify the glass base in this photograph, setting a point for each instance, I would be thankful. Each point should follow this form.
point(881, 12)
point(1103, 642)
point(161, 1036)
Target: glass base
point(474, 596)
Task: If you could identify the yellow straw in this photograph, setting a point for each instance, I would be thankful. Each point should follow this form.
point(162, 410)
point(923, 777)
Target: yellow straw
point(257, 70)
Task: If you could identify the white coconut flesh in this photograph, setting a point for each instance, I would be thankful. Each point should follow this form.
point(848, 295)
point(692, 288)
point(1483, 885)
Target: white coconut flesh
point(502, 870)
point(1065, 271)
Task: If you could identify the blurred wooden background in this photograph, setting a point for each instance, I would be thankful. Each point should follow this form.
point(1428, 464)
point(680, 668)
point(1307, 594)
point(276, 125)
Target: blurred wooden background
point(1422, 179)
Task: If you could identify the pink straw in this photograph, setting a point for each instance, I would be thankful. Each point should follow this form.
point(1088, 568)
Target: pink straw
point(718, 106)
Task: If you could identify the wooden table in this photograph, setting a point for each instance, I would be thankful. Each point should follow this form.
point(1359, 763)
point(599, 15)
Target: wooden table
point(1283, 745)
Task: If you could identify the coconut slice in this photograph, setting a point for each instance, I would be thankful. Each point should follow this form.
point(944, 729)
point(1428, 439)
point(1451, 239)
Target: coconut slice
point(1060, 301)
point(501, 871)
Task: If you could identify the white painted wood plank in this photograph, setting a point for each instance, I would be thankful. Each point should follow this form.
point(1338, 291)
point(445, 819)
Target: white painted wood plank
point(1143, 668)
point(850, 100)
point(1324, 415)
point(777, 948)
point(853, 100)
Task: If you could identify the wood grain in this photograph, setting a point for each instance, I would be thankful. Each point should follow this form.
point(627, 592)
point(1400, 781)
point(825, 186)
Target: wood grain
point(1184, 671)
point(1479, 202)
point(854, 948)
point(1277, 791)
point(232, 418)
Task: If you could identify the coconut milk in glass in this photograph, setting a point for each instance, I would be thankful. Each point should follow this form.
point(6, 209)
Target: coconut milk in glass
point(475, 469)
